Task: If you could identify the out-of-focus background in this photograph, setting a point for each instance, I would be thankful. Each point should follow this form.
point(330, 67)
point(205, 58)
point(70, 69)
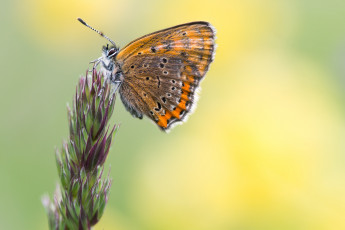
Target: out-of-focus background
point(265, 149)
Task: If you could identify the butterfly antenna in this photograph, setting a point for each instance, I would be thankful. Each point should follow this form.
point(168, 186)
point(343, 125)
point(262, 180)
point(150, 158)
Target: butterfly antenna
point(97, 31)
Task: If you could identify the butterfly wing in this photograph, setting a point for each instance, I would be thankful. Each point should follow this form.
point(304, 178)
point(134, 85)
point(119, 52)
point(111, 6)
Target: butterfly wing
point(162, 71)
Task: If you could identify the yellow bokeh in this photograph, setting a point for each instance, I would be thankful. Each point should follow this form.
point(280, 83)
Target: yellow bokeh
point(54, 25)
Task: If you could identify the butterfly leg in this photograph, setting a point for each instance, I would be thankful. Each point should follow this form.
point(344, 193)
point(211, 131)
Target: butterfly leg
point(96, 60)
point(95, 63)
point(116, 85)
point(106, 72)
point(116, 81)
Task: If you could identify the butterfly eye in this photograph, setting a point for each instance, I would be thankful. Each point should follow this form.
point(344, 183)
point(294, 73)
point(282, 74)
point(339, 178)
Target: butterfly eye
point(111, 52)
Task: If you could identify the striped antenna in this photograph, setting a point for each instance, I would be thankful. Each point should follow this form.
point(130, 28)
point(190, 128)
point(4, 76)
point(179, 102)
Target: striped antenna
point(97, 31)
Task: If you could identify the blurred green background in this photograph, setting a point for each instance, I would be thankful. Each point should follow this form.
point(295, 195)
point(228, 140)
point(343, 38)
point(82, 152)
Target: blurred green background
point(265, 148)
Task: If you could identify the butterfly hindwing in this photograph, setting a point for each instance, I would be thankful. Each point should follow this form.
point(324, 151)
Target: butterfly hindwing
point(162, 72)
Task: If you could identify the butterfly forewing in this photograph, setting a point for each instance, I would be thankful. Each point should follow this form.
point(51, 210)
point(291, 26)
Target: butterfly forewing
point(162, 71)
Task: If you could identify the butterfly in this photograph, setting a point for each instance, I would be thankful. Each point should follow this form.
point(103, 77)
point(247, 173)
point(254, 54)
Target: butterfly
point(158, 75)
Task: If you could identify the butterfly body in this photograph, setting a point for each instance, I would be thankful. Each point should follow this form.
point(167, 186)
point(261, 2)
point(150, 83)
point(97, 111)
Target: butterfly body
point(158, 74)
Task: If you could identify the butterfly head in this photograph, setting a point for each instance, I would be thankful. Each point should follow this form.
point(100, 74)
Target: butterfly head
point(110, 52)
point(108, 57)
